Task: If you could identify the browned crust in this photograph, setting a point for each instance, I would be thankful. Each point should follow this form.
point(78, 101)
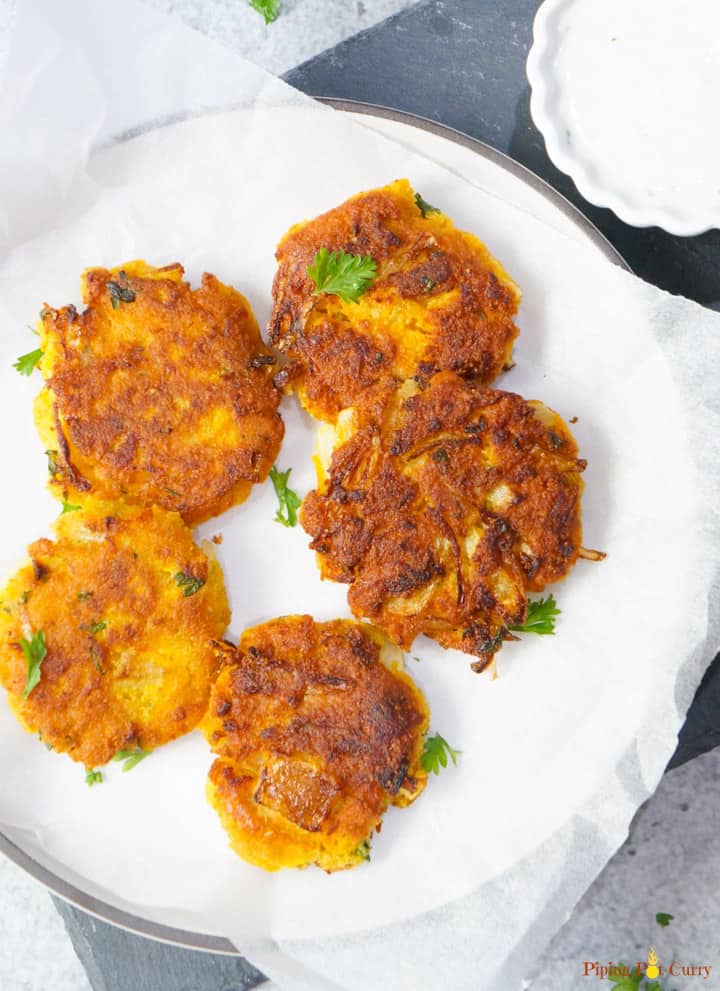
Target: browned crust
point(167, 399)
point(442, 517)
point(315, 737)
point(457, 301)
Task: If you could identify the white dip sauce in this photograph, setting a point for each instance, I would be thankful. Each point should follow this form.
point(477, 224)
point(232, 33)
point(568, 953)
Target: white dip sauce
point(639, 95)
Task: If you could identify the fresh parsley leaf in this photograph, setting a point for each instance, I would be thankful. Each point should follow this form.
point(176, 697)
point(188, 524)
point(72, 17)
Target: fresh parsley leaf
point(120, 293)
point(53, 466)
point(68, 507)
point(423, 206)
point(93, 628)
point(188, 583)
point(363, 850)
point(663, 918)
point(34, 651)
point(630, 983)
point(131, 758)
point(270, 9)
point(289, 501)
point(340, 274)
point(540, 618)
point(435, 754)
point(93, 777)
point(26, 362)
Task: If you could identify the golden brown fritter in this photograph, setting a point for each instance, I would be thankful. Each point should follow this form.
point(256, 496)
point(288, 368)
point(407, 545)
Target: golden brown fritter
point(317, 730)
point(127, 606)
point(442, 516)
point(439, 301)
point(158, 393)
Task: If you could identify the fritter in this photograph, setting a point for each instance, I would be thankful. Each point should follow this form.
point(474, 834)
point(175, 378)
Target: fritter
point(443, 515)
point(317, 730)
point(120, 610)
point(157, 392)
point(439, 301)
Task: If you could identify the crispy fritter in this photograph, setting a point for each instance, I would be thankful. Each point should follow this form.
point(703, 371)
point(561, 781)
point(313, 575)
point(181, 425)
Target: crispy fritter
point(157, 392)
point(443, 516)
point(128, 606)
point(439, 301)
point(317, 730)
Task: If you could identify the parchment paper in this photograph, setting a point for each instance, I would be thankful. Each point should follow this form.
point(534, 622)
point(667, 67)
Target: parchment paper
point(469, 884)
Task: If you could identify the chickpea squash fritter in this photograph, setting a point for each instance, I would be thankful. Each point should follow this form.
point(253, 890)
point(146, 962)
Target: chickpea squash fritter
point(121, 608)
point(157, 392)
point(442, 515)
point(438, 301)
point(317, 730)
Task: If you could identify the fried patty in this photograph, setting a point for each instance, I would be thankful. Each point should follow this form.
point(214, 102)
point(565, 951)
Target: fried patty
point(443, 515)
point(127, 606)
point(317, 730)
point(439, 301)
point(157, 392)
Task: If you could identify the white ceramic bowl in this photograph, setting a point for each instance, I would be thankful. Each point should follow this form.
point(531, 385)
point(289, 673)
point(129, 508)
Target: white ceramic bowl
point(625, 94)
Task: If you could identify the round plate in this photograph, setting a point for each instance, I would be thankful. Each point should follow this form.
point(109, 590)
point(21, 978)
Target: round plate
point(483, 166)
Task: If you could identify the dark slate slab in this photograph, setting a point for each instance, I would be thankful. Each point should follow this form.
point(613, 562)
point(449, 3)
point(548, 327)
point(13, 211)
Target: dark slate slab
point(461, 63)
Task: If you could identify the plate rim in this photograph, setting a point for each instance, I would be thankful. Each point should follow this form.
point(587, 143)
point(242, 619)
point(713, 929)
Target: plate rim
point(207, 942)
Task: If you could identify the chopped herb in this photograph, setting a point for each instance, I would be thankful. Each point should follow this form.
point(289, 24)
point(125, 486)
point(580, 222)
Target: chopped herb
point(340, 274)
point(435, 754)
point(52, 463)
point(555, 440)
point(68, 507)
point(188, 583)
point(418, 659)
point(93, 777)
point(629, 983)
point(120, 293)
point(25, 596)
point(440, 455)
point(428, 284)
point(131, 758)
point(663, 919)
point(363, 850)
point(423, 206)
point(270, 9)
point(96, 658)
point(34, 651)
point(93, 628)
point(288, 499)
point(493, 644)
point(47, 745)
point(84, 594)
point(33, 330)
point(540, 617)
point(27, 362)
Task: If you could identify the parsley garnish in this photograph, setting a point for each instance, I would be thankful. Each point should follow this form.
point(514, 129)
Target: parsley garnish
point(540, 618)
point(68, 507)
point(363, 850)
point(339, 274)
point(93, 777)
point(120, 293)
point(423, 206)
point(188, 583)
point(630, 983)
point(270, 9)
point(289, 501)
point(52, 463)
point(83, 595)
point(435, 754)
point(27, 362)
point(34, 651)
point(93, 628)
point(131, 758)
point(663, 919)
